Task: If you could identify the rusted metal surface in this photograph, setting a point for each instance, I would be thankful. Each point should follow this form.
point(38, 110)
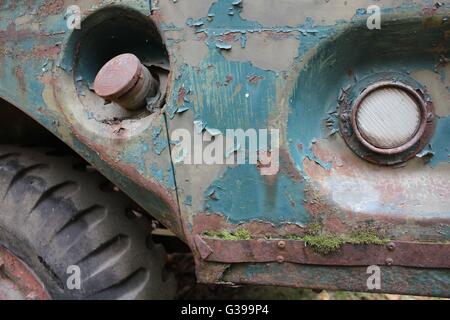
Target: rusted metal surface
point(203, 248)
point(222, 73)
point(126, 81)
point(259, 229)
point(407, 254)
point(17, 281)
point(118, 76)
point(144, 89)
point(394, 279)
point(35, 46)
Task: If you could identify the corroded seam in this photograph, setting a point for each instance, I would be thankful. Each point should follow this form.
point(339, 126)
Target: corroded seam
point(407, 254)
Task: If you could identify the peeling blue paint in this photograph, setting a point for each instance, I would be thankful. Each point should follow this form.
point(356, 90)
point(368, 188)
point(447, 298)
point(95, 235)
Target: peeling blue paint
point(440, 142)
point(239, 104)
point(220, 96)
point(248, 196)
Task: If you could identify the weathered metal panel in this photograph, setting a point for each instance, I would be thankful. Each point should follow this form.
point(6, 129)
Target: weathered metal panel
point(257, 65)
point(34, 47)
point(395, 279)
point(406, 254)
point(285, 66)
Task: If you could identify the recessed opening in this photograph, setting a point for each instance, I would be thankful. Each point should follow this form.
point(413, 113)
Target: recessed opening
point(103, 35)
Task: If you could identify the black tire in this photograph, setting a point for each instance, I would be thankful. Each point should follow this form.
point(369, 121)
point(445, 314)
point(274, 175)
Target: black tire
point(53, 215)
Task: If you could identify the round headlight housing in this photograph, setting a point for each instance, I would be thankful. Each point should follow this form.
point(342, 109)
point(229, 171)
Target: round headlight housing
point(388, 122)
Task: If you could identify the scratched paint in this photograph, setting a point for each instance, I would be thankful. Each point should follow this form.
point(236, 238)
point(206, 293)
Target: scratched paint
point(314, 98)
point(223, 103)
point(265, 196)
point(222, 77)
point(329, 58)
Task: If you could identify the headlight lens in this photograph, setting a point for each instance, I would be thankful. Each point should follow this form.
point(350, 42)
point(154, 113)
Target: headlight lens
point(388, 118)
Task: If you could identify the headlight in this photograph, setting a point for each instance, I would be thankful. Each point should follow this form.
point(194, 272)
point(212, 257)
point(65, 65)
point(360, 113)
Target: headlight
point(386, 122)
point(388, 118)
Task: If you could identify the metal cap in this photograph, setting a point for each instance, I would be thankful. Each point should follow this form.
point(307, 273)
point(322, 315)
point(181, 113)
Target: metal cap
point(117, 76)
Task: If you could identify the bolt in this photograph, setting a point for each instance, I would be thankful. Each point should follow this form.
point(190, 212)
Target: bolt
point(391, 246)
point(281, 244)
point(155, 224)
point(389, 261)
point(280, 259)
point(124, 80)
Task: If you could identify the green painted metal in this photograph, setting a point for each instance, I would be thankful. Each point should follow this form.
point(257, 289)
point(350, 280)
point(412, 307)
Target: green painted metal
point(246, 65)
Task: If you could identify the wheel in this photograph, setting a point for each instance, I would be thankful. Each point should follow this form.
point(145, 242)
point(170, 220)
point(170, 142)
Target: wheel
point(57, 221)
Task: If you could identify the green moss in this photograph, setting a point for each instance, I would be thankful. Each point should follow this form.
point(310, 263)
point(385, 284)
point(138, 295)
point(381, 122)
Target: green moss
point(243, 234)
point(293, 237)
point(320, 241)
point(326, 243)
point(365, 236)
point(313, 229)
point(239, 234)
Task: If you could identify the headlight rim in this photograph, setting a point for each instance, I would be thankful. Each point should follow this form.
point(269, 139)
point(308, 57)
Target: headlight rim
point(420, 102)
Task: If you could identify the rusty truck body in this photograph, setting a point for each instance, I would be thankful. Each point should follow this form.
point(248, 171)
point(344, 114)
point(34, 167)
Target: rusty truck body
point(125, 83)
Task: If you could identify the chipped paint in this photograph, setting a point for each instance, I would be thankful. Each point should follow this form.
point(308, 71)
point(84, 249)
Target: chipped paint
point(319, 175)
point(437, 89)
point(247, 64)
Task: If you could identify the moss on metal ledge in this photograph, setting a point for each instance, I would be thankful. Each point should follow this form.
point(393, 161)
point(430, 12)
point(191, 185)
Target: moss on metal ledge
point(320, 241)
point(239, 234)
point(325, 242)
